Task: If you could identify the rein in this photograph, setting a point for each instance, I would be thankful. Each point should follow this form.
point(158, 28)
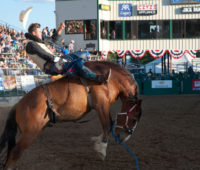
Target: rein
point(126, 147)
point(50, 109)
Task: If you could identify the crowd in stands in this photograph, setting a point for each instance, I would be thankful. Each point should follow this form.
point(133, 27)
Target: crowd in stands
point(13, 58)
point(15, 61)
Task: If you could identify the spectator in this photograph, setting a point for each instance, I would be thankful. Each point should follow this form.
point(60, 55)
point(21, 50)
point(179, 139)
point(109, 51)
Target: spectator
point(150, 74)
point(113, 35)
point(71, 46)
point(93, 31)
point(1, 68)
point(190, 71)
point(103, 33)
point(65, 50)
point(94, 52)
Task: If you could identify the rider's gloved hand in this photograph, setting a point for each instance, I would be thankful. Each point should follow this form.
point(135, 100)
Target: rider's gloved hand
point(59, 63)
point(56, 59)
point(61, 60)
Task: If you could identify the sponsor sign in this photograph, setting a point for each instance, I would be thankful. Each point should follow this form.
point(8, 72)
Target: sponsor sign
point(104, 7)
point(161, 84)
point(125, 10)
point(28, 83)
point(1, 84)
point(184, 1)
point(196, 84)
point(9, 82)
point(190, 10)
point(147, 9)
point(18, 82)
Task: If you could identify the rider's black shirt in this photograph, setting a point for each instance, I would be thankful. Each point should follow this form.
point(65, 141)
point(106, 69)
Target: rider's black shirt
point(35, 46)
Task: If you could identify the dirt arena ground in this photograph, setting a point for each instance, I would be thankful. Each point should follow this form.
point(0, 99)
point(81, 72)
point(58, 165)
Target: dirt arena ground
point(167, 138)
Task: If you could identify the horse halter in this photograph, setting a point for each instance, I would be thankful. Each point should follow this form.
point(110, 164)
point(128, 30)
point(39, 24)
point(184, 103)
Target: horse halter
point(125, 126)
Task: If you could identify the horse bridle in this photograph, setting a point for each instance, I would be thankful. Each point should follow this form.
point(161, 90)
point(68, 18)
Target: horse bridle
point(125, 126)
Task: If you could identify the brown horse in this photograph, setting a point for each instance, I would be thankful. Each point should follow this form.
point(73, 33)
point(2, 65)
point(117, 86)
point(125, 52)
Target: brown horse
point(71, 101)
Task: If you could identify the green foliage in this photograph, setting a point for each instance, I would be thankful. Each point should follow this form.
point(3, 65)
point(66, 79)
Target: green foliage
point(146, 59)
point(112, 56)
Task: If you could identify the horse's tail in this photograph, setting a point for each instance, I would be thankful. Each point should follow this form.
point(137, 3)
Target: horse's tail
point(9, 133)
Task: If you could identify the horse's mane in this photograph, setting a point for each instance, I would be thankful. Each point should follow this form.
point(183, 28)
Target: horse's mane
point(104, 66)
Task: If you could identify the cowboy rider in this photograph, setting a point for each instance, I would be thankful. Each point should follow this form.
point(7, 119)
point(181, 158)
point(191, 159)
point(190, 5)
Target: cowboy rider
point(72, 64)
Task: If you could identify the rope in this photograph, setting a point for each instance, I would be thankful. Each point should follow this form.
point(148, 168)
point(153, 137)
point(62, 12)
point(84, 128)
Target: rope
point(126, 147)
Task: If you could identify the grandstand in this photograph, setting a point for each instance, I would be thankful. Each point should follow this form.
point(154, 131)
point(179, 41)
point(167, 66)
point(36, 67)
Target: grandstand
point(18, 74)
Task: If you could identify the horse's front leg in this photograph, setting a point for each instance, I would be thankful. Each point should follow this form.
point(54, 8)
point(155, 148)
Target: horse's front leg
point(101, 141)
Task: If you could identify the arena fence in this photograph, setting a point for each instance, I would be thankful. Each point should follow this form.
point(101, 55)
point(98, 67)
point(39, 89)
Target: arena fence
point(182, 83)
point(155, 84)
point(20, 85)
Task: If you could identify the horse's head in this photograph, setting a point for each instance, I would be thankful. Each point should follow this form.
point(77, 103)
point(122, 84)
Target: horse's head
point(126, 122)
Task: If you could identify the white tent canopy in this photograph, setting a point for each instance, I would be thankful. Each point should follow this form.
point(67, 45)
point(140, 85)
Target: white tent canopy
point(178, 65)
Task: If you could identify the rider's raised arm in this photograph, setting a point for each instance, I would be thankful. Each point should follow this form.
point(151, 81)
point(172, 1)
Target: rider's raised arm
point(53, 39)
point(56, 35)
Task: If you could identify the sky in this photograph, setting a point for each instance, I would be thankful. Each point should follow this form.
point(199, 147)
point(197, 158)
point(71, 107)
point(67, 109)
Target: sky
point(42, 12)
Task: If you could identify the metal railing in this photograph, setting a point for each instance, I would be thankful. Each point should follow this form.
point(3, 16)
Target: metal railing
point(18, 72)
point(18, 89)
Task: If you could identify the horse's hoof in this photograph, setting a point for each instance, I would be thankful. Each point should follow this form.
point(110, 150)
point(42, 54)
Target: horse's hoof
point(97, 138)
point(101, 149)
point(94, 138)
point(102, 156)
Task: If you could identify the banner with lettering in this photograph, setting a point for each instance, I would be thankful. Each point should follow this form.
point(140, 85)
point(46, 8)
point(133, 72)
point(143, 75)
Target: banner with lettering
point(28, 82)
point(18, 82)
point(1, 84)
point(196, 84)
point(9, 82)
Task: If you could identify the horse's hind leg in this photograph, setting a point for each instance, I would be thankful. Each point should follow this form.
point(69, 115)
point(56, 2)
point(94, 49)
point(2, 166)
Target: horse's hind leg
point(24, 142)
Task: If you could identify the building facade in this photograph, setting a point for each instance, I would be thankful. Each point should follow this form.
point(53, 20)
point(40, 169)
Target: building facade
point(134, 26)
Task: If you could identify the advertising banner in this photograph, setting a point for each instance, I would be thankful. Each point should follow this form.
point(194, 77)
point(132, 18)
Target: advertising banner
point(184, 1)
point(1, 84)
point(196, 84)
point(104, 7)
point(147, 9)
point(161, 84)
point(18, 82)
point(125, 10)
point(190, 10)
point(9, 82)
point(28, 83)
